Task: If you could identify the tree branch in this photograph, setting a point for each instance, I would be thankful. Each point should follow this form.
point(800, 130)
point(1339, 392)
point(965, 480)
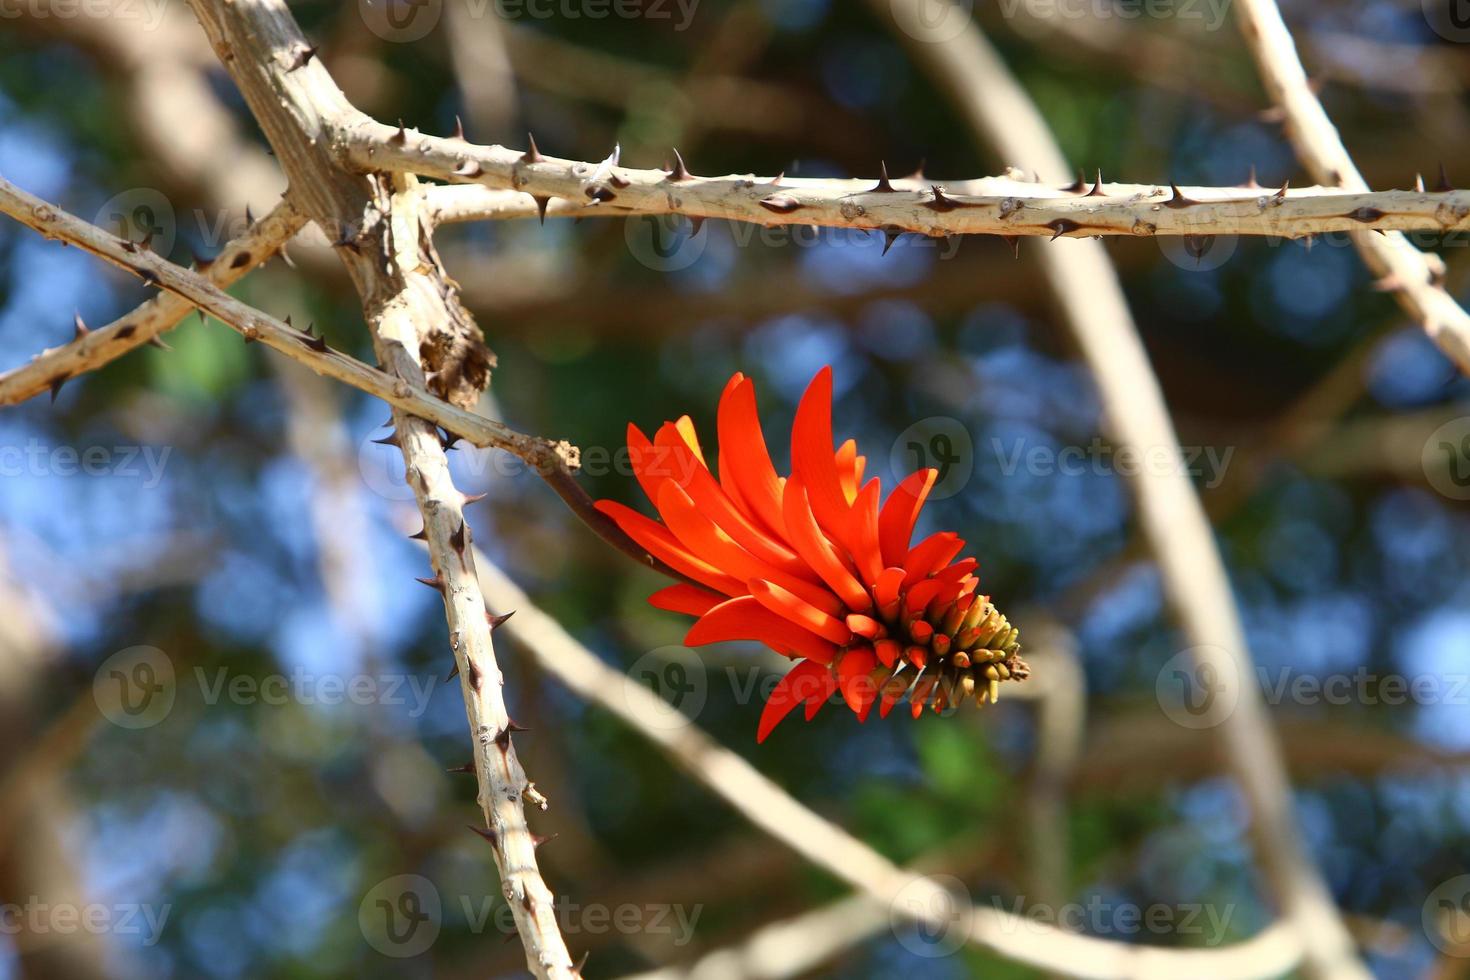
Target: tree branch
point(1006, 205)
point(425, 339)
point(1086, 286)
point(93, 349)
point(1415, 279)
point(899, 892)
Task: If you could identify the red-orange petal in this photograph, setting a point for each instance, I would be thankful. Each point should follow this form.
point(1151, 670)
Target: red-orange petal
point(864, 626)
point(919, 595)
point(705, 538)
point(818, 552)
point(862, 533)
point(667, 548)
point(889, 698)
point(900, 512)
point(855, 681)
point(643, 457)
point(784, 603)
point(744, 459)
point(727, 473)
point(813, 461)
point(886, 591)
point(930, 555)
point(684, 598)
point(715, 504)
point(685, 425)
point(827, 687)
point(744, 618)
point(846, 463)
point(793, 689)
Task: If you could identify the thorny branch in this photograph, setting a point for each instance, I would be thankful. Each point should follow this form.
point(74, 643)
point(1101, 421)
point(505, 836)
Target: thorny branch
point(1415, 279)
point(903, 894)
point(92, 349)
point(1008, 205)
point(1001, 114)
point(425, 339)
point(555, 462)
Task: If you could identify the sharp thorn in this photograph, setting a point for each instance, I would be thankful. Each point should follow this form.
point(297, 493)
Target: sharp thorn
point(1178, 200)
point(885, 186)
point(533, 153)
point(303, 57)
point(458, 128)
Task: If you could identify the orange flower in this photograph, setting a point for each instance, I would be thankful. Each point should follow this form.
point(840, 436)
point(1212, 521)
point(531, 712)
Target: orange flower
point(813, 567)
